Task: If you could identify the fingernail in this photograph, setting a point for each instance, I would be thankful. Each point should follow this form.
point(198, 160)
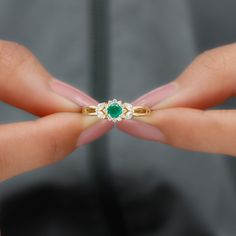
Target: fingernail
point(71, 93)
point(141, 130)
point(157, 95)
point(94, 132)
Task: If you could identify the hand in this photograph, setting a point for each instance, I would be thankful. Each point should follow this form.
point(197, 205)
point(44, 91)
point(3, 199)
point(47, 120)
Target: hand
point(25, 84)
point(179, 117)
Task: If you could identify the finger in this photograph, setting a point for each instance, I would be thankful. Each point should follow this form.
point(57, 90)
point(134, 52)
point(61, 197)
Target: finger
point(29, 145)
point(212, 131)
point(99, 129)
point(24, 83)
point(208, 81)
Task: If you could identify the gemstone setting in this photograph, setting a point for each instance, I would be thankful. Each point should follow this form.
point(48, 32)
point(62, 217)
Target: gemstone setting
point(114, 110)
point(100, 110)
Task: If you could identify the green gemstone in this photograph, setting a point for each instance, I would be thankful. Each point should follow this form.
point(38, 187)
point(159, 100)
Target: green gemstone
point(114, 110)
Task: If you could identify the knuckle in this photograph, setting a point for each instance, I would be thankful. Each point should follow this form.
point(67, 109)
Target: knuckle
point(54, 152)
point(13, 54)
point(51, 145)
point(213, 60)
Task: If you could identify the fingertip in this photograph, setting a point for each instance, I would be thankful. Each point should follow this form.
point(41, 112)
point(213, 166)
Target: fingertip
point(31, 87)
point(141, 130)
point(73, 94)
point(88, 121)
point(94, 131)
point(158, 95)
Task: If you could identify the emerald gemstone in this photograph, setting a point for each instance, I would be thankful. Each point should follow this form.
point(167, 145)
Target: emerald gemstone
point(114, 110)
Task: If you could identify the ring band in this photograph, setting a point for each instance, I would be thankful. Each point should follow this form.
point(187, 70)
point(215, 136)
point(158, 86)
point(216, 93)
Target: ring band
point(115, 110)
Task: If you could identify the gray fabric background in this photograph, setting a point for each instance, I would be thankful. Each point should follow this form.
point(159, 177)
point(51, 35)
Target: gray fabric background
point(164, 191)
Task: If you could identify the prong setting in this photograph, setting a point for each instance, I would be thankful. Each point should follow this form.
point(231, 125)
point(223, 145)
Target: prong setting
point(114, 110)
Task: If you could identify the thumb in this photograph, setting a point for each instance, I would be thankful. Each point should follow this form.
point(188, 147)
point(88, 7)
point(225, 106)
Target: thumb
point(212, 131)
point(28, 145)
point(208, 81)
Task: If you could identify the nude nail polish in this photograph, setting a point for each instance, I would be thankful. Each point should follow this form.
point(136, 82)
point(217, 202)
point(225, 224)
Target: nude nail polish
point(141, 130)
point(71, 93)
point(157, 95)
point(94, 132)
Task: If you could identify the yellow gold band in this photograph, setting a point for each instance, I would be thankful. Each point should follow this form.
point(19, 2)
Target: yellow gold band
point(89, 111)
point(141, 111)
point(116, 110)
point(137, 111)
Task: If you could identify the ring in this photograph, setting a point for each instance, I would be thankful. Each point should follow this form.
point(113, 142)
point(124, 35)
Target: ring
point(115, 110)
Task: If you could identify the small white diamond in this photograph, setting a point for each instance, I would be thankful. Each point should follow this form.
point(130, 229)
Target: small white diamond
point(113, 119)
point(100, 106)
point(100, 110)
point(101, 115)
point(109, 118)
point(129, 111)
point(112, 101)
point(128, 115)
point(128, 106)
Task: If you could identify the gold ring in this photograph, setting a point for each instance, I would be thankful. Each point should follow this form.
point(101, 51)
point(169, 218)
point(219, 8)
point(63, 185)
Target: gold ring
point(115, 110)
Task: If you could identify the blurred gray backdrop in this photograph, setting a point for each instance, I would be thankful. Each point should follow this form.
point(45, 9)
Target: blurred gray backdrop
point(120, 48)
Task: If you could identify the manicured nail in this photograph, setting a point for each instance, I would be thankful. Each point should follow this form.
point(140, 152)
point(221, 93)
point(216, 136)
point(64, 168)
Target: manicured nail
point(94, 132)
point(71, 93)
point(141, 130)
point(157, 96)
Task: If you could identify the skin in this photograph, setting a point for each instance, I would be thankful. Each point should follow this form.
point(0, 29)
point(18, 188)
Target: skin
point(182, 120)
point(25, 84)
point(179, 119)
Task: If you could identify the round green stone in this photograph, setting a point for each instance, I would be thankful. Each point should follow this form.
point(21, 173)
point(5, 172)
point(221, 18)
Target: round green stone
point(114, 110)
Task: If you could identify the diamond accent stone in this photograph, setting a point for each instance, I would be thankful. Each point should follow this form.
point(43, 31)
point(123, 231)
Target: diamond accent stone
point(128, 106)
point(128, 111)
point(128, 115)
point(100, 110)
